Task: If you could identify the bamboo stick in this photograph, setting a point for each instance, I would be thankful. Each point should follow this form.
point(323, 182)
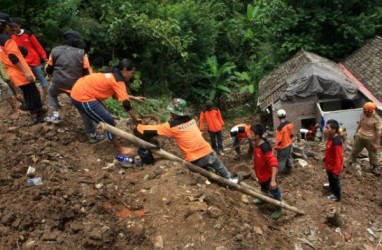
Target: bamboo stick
point(194, 168)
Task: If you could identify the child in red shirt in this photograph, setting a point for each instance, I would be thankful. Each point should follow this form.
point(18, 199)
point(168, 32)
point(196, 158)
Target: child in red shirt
point(333, 158)
point(266, 168)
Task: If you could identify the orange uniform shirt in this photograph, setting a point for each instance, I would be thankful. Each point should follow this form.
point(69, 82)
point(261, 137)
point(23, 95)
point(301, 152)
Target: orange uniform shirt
point(213, 118)
point(99, 86)
point(15, 74)
point(284, 135)
point(244, 131)
point(186, 135)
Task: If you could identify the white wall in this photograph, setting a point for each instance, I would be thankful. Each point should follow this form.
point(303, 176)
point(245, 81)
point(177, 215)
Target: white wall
point(349, 118)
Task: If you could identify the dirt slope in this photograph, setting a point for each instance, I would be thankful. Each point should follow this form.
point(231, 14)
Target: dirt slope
point(82, 204)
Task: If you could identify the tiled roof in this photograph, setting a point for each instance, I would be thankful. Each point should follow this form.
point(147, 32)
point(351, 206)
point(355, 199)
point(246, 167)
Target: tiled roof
point(276, 81)
point(366, 65)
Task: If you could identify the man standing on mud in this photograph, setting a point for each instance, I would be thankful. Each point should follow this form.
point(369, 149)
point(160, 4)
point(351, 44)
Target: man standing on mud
point(283, 145)
point(187, 135)
point(368, 135)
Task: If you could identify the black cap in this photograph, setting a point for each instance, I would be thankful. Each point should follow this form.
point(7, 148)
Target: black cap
point(5, 19)
point(71, 34)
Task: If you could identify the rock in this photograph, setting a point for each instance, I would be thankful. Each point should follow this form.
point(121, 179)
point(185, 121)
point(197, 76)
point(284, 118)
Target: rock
point(258, 230)
point(244, 199)
point(49, 236)
point(95, 234)
point(4, 230)
point(239, 237)
point(158, 242)
point(76, 227)
point(214, 212)
point(221, 248)
point(347, 236)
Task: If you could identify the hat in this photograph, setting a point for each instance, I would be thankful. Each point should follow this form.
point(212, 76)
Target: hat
point(370, 106)
point(72, 34)
point(5, 19)
point(178, 107)
point(281, 113)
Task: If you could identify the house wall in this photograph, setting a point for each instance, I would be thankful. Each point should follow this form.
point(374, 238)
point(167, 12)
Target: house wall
point(349, 118)
point(301, 108)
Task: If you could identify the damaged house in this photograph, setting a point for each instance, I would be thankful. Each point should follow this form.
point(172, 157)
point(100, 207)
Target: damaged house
point(312, 90)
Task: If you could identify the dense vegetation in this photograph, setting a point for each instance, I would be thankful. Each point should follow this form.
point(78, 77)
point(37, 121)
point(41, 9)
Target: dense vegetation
point(199, 49)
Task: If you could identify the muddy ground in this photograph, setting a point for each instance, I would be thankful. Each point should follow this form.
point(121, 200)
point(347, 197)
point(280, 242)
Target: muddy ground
point(83, 203)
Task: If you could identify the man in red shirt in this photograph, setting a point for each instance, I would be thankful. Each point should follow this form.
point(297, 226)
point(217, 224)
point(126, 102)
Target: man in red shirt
point(36, 53)
point(215, 125)
point(334, 154)
point(266, 168)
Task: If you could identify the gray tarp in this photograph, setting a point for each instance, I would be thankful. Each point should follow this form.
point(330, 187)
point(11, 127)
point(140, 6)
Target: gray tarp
point(314, 78)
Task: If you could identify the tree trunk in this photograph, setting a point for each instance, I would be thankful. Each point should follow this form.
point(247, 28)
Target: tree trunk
point(194, 168)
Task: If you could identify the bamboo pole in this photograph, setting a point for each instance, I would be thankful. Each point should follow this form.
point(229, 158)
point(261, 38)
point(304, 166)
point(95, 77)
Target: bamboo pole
point(194, 168)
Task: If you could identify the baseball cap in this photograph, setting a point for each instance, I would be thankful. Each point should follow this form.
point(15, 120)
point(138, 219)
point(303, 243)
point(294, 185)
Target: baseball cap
point(5, 19)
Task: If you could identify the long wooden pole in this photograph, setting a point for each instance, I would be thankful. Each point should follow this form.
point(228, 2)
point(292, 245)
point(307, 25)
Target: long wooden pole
point(194, 168)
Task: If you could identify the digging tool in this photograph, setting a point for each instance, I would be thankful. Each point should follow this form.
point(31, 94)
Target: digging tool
point(160, 152)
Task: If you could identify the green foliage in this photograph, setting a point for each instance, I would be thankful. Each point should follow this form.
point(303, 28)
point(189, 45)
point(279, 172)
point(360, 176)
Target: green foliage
point(149, 107)
point(177, 44)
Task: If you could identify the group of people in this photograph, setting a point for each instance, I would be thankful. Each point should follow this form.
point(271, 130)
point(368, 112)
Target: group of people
point(268, 167)
point(69, 68)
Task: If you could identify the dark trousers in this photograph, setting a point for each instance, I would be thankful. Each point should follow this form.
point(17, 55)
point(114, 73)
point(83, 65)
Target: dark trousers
point(32, 97)
point(334, 185)
point(96, 111)
point(236, 146)
point(266, 189)
point(216, 136)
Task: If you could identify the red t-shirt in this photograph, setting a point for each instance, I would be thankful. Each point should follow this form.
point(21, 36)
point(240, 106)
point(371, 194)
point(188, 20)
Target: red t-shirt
point(334, 155)
point(35, 51)
point(264, 161)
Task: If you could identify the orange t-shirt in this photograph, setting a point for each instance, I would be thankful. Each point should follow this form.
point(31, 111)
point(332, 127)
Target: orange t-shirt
point(186, 135)
point(15, 74)
point(213, 118)
point(99, 86)
point(244, 131)
point(284, 134)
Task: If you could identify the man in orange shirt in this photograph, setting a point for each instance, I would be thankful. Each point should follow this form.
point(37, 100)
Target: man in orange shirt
point(283, 145)
point(239, 133)
point(18, 70)
point(89, 91)
point(186, 133)
point(215, 125)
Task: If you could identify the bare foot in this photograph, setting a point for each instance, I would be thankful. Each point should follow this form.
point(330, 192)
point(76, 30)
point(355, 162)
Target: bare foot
point(126, 151)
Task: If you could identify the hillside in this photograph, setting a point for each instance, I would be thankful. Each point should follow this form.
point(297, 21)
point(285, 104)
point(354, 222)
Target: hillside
point(83, 203)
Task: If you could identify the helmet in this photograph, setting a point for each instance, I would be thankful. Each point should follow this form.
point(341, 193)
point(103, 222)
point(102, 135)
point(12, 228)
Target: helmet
point(178, 107)
point(281, 113)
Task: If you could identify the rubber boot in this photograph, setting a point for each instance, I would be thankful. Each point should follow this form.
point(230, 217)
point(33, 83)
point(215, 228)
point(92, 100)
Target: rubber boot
point(277, 213)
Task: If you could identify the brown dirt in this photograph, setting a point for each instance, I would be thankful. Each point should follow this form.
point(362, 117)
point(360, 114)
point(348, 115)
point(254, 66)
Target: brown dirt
point(83, 205)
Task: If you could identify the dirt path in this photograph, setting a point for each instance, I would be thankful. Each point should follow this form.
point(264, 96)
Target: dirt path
point(82, 204)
